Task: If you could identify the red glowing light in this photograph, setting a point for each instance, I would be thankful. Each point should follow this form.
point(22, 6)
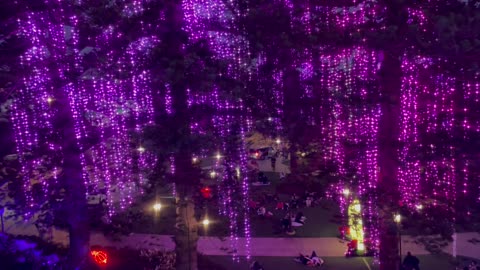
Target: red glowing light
point(100, 257)
point(206, 192)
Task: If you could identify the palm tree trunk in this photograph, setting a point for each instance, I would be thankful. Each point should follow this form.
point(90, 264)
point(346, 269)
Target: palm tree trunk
point(76, 202)
point(391, 79)
point(186, 236)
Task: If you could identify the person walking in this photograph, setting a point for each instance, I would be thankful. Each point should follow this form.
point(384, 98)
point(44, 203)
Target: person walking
point(411, 262)
point(274, 162)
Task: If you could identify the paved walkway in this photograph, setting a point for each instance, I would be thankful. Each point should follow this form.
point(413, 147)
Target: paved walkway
point(280, 247)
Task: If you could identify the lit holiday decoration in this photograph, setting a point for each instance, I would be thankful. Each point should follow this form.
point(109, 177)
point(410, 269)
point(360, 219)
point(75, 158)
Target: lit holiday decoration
point(355, 224)
point(428, 158)
point(100, 257)
point(106, 106)
point(348, 86)
point(409, 169)
point(232, 46)
point(471, 127)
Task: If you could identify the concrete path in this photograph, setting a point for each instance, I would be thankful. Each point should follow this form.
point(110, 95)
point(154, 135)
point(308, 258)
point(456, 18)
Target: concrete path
point(266, 165)
point(280, 247)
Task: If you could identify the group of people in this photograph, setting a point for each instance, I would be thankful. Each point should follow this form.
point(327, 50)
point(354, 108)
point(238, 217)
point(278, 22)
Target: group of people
point(309, 199)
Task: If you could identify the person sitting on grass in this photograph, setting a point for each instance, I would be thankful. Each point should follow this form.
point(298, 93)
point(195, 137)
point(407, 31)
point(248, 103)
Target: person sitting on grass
point(279, 206)
point(287, 223)
point(262, 211)
point(256, 266)
point(253, 204)
point(300, 218)
point(308, 202)
point(294, 201)
point(473, 266)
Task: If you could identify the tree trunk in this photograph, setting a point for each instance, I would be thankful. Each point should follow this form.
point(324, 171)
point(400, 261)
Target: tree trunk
point(389, 127)
point(293, 159)
point(186, 236)
point(76, 202)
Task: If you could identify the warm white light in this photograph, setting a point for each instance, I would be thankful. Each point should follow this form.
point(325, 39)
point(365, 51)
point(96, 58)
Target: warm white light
point(270, 119)
point(346, 192)
point(157, 206)
point(397, 218)
point(218, 156)
point(213, 174)
point(238, 171)
point(49, 100)
point(141, 149)
point(278, 141)
point(194, 160)
point(303, 154)
point(205, 222)
point(419, 206)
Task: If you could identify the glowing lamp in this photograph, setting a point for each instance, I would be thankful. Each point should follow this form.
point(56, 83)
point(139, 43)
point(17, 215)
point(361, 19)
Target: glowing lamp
point(141, 149)
point(218, 156)
point(397, 218)
point(205, 222)
point(100, 257)
point(50, 100)
point(278, 141)
point(213, 174)
point(157, 206)
point(270, 119)
point(419, 206)
point(194, 160)
point(346, 192)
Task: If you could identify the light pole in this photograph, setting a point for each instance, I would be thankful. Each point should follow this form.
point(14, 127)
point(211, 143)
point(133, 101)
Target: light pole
point(2, 210)
point(398, 220)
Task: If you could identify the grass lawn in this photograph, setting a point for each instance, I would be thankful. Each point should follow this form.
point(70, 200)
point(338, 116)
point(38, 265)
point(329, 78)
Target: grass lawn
point(428, 262)
point(320, 222)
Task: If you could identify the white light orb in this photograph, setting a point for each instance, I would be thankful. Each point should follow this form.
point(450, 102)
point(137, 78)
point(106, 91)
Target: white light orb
point(157, 206)
point(205, 222)
point(397, 218)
